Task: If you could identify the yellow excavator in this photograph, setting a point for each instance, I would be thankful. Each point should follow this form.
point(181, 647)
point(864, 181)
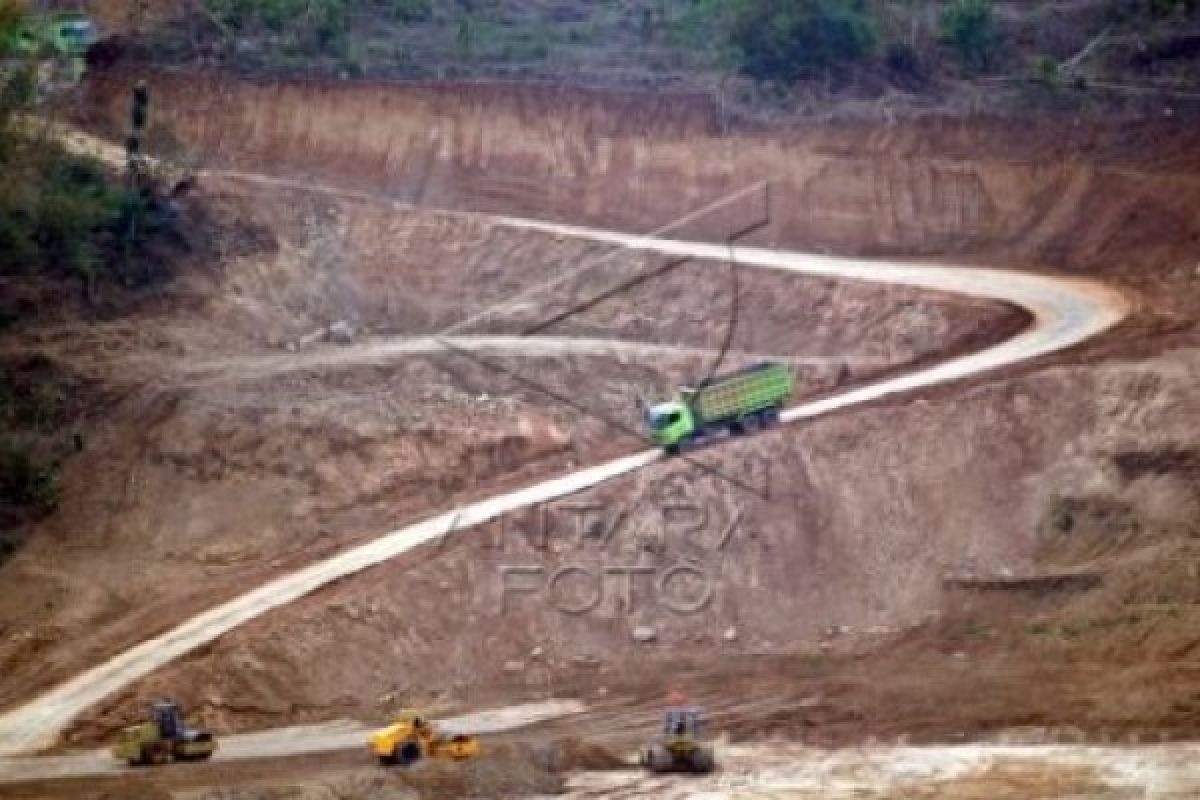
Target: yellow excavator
point(413, 736)
point(164, 737)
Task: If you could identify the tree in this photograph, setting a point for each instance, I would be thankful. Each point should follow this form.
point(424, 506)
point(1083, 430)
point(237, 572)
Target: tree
point(305, 26)
point(969, 26)
point(786, 40)
point(411, 10)
point(17, 74)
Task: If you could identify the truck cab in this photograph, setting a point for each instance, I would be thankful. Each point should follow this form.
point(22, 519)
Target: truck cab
point(670, 423)
point(72, 34)
point(57, 35)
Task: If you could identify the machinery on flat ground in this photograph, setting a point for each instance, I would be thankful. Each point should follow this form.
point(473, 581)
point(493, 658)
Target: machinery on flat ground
point(413, 737)
point(164, 737)
point(679, 747)
point(736, 402)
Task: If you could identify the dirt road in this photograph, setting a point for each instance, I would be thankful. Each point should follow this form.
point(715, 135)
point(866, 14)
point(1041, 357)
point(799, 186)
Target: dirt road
point(996, 771)
point(383, 350)
point(1065, 311)
point(299, 740)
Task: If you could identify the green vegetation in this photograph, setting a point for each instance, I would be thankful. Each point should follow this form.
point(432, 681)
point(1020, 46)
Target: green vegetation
point(696, 25)
point(1046, 71)
point(32, 421)
point(300, 26)
point(864, 46)
point(786, 40)
point(974, 630)
point(61, 214)
point(1167, 8)
point(410, 10)
point(1077, 628)
point(24, 481)
point(11, 24)
point(969, 26)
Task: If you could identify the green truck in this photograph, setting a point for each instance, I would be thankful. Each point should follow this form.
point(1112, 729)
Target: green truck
point(57, 42)
point(734, 402)
point(64, 33)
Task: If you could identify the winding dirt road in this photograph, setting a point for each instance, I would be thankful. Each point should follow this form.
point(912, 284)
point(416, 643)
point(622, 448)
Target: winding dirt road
point(1065, 311)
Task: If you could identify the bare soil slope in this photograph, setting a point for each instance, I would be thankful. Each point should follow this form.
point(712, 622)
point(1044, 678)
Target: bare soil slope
point(240, 443)
point(840, 572)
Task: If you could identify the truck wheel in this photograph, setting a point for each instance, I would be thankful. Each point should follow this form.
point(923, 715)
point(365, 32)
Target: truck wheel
point(672, 449)
point(737, 427)
point(658, 759)
point(702, 760)
point(407, 753)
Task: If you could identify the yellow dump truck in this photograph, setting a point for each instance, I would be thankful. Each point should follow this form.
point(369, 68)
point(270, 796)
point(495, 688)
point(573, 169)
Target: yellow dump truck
point(413, 737)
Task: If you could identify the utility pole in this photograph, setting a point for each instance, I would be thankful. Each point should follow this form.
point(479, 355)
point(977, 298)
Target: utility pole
point(137, 133)
point(134, 161)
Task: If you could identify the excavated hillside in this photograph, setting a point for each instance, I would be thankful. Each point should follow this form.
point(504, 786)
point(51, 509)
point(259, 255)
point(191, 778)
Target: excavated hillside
point(1102, 198)
point(242, 440)
point(1014, 553)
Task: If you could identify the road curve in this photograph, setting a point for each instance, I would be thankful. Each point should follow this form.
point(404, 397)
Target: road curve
point(1065, 311)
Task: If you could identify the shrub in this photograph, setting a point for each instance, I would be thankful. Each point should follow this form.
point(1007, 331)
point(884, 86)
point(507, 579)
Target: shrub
point(330, 24)
point(61, 216)
point(11, 17)
point(23, 480)
point(1165, 8)
point(18, 253)
point(40, 408)
point(235, 14)
point(304, 26)
point(786, 40)
point(66, 223)
point(411, 10)
point(969, 26)
point(464, 37)
point(904, 62)
point(1045, 70)
point(275, 14)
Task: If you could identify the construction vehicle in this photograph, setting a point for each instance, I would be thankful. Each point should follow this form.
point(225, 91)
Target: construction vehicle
point(679, 747)
point(164, 737)
point(413, 736)
point(56, 43)
point(736, 402)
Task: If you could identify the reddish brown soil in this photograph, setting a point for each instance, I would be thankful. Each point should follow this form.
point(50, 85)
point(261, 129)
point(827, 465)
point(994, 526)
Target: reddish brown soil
point(869, 511)
point(197, 485)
